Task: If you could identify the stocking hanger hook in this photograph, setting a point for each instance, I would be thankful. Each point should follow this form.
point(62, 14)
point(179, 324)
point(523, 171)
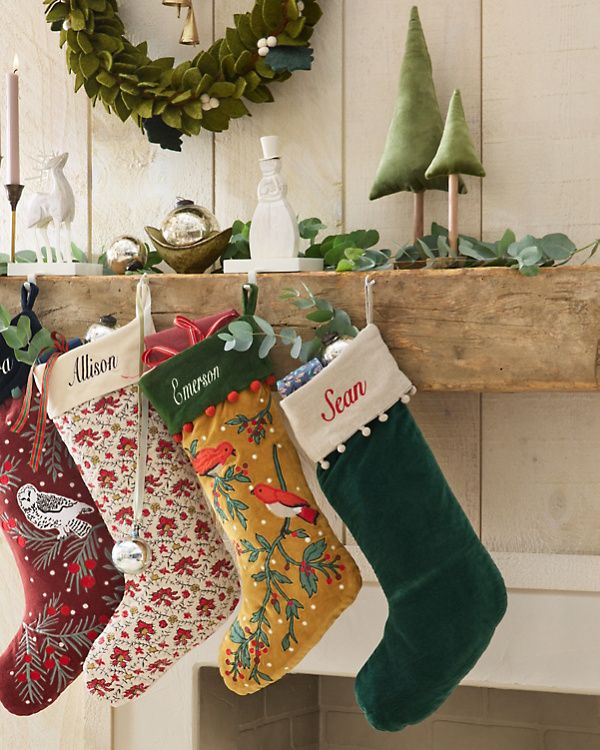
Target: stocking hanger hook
point(369, 283)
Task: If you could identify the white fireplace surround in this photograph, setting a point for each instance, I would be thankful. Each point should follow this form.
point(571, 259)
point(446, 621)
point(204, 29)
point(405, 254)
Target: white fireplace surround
point(548, 641)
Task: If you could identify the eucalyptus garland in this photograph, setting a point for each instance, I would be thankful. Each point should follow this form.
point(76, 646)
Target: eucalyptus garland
point(265, 45)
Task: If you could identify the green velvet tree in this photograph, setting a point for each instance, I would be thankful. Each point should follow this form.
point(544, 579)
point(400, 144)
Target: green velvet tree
point(416, 128)
point(456, 155)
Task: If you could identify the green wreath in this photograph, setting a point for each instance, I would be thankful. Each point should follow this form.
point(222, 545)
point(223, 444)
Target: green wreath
point(265, 45)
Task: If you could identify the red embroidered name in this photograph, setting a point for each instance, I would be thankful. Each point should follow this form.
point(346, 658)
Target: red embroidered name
point(338, 404)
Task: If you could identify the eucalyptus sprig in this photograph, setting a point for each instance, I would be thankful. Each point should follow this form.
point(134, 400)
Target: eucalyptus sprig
point(241, 334)
point(528, 254)
point(26, 348)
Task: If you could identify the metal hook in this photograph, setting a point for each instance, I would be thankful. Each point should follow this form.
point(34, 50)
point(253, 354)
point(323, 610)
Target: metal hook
point(369, 283)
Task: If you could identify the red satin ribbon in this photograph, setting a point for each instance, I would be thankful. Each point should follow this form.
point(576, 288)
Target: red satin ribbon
point(195, 335)
point(61, 345)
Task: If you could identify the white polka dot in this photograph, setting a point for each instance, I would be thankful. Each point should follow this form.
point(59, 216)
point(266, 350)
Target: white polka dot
point(106, 583)
point(203, 437)
point(246, 684)
point(20, 450)
point(61, 644)
point(286, 668)
point(254, 456)
point(280, 621)
point(313, 606)
point(85, 606)
point(333, 546)
point(72, 611)
point(65, 565)
point(291, 648)
point(27, 703)
point(42, 484)
point(26, 558)
point(244, 618)
point(49, 700)
point(262, 520)
point(60, 475)
point(79, 494)
point(307, 540)
point(341, 586)
point(52, 573)
point(31, 580)
point(44, 594)
point(6, 502)
point(68, 591)
point(261, 400)
point(255, 584)
point(30, 614)
point(273, 561)
point(271, 429)
point(268, 665)
point(320, 533)
point(71, 484)
point(223, 428)
point(269, 480)
point(304, 623)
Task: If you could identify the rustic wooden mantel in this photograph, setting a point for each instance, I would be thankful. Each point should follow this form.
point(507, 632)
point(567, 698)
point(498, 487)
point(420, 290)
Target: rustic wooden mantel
point(450, 330)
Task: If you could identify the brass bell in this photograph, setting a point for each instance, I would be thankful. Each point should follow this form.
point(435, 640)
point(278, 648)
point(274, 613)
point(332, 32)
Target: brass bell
point(189, 35)
point(179, 3)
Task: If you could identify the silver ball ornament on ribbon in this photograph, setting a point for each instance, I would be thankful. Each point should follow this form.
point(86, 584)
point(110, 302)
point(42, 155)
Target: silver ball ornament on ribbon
point(131, 556)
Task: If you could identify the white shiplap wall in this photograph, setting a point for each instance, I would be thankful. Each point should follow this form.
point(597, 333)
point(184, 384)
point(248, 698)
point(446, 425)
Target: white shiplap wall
point(525, 466)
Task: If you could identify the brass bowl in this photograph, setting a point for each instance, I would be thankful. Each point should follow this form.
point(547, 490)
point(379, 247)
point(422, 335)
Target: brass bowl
point(195, 258)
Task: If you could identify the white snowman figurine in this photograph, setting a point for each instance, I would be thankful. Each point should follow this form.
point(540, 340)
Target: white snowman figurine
point(274, 236)
point(274, 230)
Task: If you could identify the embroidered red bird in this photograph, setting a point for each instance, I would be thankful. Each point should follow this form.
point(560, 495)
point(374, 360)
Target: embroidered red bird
point(285, 504)
point(209, 461)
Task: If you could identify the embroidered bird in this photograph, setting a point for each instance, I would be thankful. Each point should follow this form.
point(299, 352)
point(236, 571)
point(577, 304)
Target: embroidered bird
point(209, 461)
point(46, 510)
point(285, 504)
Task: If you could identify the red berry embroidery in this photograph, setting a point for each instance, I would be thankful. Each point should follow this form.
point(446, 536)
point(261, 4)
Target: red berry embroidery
point(210, 411)
point(233, 396)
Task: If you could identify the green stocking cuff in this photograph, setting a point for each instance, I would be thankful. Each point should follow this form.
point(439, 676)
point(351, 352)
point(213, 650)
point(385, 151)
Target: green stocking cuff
point(204, 375)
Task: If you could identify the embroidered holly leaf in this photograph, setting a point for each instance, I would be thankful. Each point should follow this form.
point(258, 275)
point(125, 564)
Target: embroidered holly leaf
point(236, 633)
point(263, 542)
point(289, 58)
point(280, 577)
point(308, 581)
point(262, 676)
point(315, 550)
point(194, 448)
point(285, 642)
point(276, 606)
point(260, 576)
point(301, 534)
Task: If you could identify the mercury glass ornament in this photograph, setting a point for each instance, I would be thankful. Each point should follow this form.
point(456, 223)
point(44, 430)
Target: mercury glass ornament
point(107, 324)
point(188, 223)
point(126, 254)
point(334, 346)
point(131, 556)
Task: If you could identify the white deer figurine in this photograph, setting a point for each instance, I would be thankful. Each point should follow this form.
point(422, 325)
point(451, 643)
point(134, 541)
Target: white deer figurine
point(56, 207)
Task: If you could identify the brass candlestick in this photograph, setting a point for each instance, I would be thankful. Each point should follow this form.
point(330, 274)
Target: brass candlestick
point(13, 193)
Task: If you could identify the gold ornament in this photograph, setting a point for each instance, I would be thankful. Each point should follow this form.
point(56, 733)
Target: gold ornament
point(189, 35)
point(179, 4)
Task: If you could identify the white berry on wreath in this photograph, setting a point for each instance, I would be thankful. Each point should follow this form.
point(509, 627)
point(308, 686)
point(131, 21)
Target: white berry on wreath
point(263, 51)
point(262, 42)
point(272, 41)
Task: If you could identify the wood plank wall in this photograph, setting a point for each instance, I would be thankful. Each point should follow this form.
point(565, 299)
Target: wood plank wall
point(525, 466)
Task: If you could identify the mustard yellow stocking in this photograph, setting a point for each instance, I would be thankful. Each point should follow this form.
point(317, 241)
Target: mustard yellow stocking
point(296, 576)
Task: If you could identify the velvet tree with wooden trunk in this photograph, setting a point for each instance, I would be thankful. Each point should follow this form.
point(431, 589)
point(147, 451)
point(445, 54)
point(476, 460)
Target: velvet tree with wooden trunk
point(415, 130)
point(456, 155)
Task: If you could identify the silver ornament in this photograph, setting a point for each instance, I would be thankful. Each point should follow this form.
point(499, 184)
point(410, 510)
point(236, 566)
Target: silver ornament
point(188, 223)
point(131, 556)
point(126, 253)
point(334, 346)
point(106, 325)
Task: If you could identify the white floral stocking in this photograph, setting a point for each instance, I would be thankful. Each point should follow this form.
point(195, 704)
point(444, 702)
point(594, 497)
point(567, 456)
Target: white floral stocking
point(190, 586)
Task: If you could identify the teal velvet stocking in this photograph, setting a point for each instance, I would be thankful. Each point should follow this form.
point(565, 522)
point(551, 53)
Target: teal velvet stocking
point(445, 594)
